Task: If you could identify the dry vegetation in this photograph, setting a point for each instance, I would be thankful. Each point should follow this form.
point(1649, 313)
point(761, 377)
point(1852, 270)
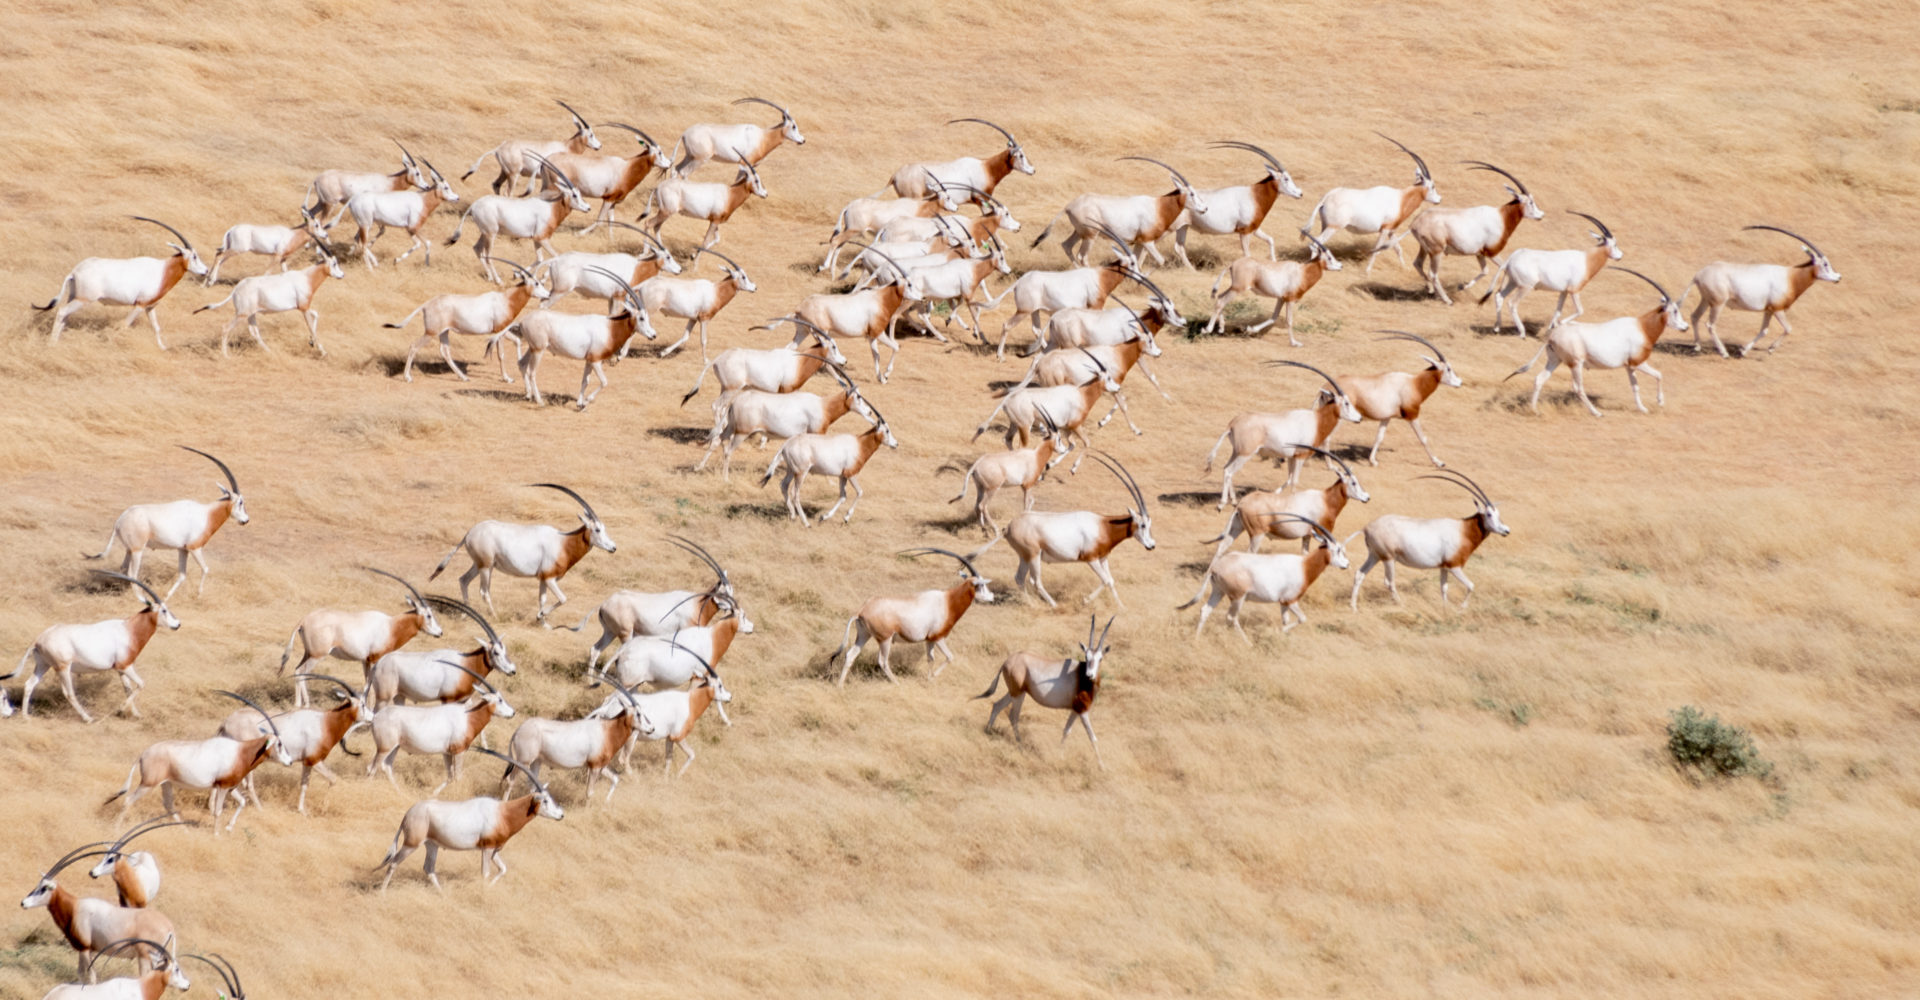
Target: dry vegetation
point(1401, 802)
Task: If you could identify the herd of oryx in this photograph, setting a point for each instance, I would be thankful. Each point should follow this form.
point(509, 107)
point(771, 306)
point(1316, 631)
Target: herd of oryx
point(916, 246)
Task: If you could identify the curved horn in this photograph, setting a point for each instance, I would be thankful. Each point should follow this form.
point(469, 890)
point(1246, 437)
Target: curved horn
point(244, 700)
point(1317, 245)
point(183, 240)
point(1605, 233)
point(1331, 457)
point(523, 272)
point(982, 121)
point(1416, 338)
point(673, 641)
point(1148, 159)
point(1135, 276)
point(347, 689)
point(522, 768)
point(796, 321)
point(1251, 148)
point(622, 125)
point(124, 944)
point(1664, 297)
point(1126, 478)
point(1316, 371)
point(1461, 480)
point(581, 122)
point(122, 576)
point(900, 273)
point(231, 482)
point(1417, 161)
point(1777, 229)
point(463, 608)
point(547, 165)
point(80, 853)
point(700, 250)
point(1097, 366)
point(1317, 528)
point(1137, 321)
point(410, 588)
point(930, 551)
point(157, 823)
point(1126, 253)
point(633, 297)
point(483, 681)
point(762, 100)
point(1093, 628)
point(577, 498)
point(1104, 631)
point(405, 156)
point(1483, 165)
point(233, 988)
point(700, 553)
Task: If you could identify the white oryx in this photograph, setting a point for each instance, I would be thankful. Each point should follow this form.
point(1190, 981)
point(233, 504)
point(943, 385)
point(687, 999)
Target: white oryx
point(1038, 294)
point(374, 211)
point(869, 314)
point(742, 144)
point(1563, 271)
point(150, 983)
point(107, 645)
point(484, 824)
point(589, 338)
point(532, 218)
point(872, 215)
point(140, 282)
point(449, 729)
point(841, 456)
point(1110, 326)
point(591, 743)
point(1442, 543)
point(1390, 395)
point(1062, 409)
point(1768, 289)
point(1285, 282)
point(308, 735)
point(1270, 578)
point(611, 178)
point(220, 764)
point(982, 174)
point(1136, 221)
point(779, 414)
point(668, 716)
point(696, 300)
point(278, 242)
point(1080, 365)
point(780, 369)
point(627, 613)
point(1383, 210)
point(1258, 515)
point(516, 157)
point(1238, 211)
point(928, 616)
point(485, 314)
point(334, 188)
point(186, 525)
point(576, 271)
point(1077, 536)
point(1070, 685)
point(540, 551)
point(94, 926)
point(672, 660)
point(360, 636)
point(1626, 342)
point(956, 282)
point(291, 291)
point(439, 675)
point(710, 202)
point(1282, 436)
point(1481, 231)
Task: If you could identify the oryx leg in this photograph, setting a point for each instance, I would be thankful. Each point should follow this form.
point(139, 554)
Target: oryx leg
point(1359, 578)
point(1278, 304)
point(1553, 361)
point(1772, 316)
point(1580, 386)
point(1414, 422)
point(1087, 724)
point(131, 683)
point(1099, 567)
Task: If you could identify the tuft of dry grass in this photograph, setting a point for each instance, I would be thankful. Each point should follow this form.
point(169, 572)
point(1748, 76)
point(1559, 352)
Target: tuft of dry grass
point(1408, 800)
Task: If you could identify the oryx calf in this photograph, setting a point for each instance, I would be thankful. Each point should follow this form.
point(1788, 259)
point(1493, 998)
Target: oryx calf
point(374, 211)
point(1286, 283)
point(1389, 395)
point(1262, 514)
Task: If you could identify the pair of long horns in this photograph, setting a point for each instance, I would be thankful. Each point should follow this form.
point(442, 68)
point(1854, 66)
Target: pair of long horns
point(244, 700)
point(1777, 229)
point(931, 551)
point(461, 607)
point(1011, 141)
point(579, 123)
point(1126, 479)
point(577, 498)
point(1346, 469)
point(1664, 297)
point(634, 304)
point(1319, 530)
point(347, 691)
point(1415, 338)
point(559, 177)
point(1302, 364)
point(100, 847)
point(228, 974)
point(122, 945)
point(1176, 174)
point(417, 596)
point(643, 136)
point(1483, 165)
point(151, 595)
point(516, 765)
point(899, 273)
point(183, 240)
point(784, 115)
point(1463, 481)
point(730, 262)
point(1251, 148)
point(1093, 622)
point(1605, 233)
point(1417, 161)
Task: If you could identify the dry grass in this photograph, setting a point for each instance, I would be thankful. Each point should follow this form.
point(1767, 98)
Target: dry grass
point(1401, 802)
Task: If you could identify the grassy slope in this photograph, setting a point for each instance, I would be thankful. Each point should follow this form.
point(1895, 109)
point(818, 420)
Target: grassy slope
point(1351, 809)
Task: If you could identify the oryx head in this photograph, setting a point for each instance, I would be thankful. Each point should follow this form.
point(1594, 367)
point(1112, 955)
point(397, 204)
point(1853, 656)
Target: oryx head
point(722, 584)
point(732, 270)
point(909, 290)
point(788, 127)
point(274, 744)
point(485, 695)
point(1601, 235)
point(231, 491)
point(648, 148)
point(542, 797)
point(992, 207)
point(416, 604)
point(411, 167)
point(880, 424)
point(1484, 508)
point(1013, 145)
point(315, 226)
point(1095, 648)
point(1275, 172)
point(1516, 189)
point(522, 276)
point(150, 601)
point(1822, 268)
point(997, 252)
point(43, 890)
point(1320, 252)
point(628, 303)
point(581, 130)
point(748, 175)
point(1100, 370)
point(184, 248)
point(948, 194)
point(1438, 361)
point(1669, 309)
point(1355, 491)
point(575, 200)
point(651, 248)
point(327, 257)
point(981, 591)
point(1421, 175)
point(1188, 196)
point(491, 644)
point(438, 183)
point(1157, 300)
point(349, 695)
point(1137, 511)
point(1332, 394)
point(1137, 330)
point(118, 850)
point(596, 531)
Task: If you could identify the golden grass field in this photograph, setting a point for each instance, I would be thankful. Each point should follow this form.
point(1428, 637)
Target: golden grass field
point(1407, 801)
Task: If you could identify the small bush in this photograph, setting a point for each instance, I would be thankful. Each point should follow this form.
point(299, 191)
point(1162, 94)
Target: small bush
point(1706, 745)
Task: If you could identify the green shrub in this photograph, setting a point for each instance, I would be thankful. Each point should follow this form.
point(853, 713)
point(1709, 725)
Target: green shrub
point(1704, 744)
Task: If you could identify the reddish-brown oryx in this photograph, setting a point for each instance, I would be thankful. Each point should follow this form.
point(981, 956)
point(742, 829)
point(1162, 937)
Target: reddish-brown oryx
point(106, 645)
point(1442, 543)
point(1282, 435)
point(94, 926)
point(1480, 232)
point(1077, 536)
point(1022, 467)
point(1286, 283)
point(1391, 395)
point(928, 616)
